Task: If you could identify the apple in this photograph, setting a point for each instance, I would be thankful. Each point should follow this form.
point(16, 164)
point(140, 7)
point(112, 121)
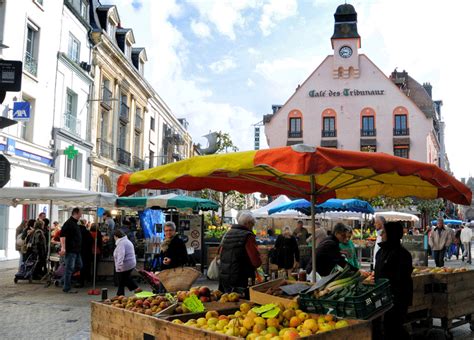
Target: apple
point(205, 298)
point(204, 291)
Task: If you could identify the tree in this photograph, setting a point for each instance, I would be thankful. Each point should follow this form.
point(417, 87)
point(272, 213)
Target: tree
point(390, 203)
point(429, 209)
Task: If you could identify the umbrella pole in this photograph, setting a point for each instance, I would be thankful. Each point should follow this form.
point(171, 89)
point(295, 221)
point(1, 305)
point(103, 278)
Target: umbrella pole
point(97, 231)
point(313, 228)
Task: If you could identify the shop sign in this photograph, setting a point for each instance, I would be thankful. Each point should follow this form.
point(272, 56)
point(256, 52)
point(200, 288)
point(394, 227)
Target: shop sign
point(10, 75)
point(345, 93)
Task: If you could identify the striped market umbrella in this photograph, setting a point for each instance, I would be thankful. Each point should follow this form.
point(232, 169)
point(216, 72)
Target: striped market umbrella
point(303, 171)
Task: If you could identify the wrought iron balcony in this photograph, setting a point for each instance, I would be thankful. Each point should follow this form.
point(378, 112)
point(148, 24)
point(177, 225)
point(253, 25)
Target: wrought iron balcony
point(105, 148)
point(71, 124)
point(138, 163)
point(368, 133)
point(401, 132)
point(31, 64)
point(123, 157)
point(124, 111)
point(328, 133)
point(106, 97)
point(138, 122)
point(295, 134)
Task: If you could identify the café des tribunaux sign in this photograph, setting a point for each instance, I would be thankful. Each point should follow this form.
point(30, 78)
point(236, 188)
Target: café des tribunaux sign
point(345, 92)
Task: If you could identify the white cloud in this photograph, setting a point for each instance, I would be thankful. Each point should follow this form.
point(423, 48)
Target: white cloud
point(226, 15)
point(250, 83)
point(189, 96)
point(223, 65)
point(275, 11)
point(200, 29)
point(253, 51)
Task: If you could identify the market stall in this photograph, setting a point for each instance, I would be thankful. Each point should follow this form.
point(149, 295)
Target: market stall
point(183, 211)
point(14, 196)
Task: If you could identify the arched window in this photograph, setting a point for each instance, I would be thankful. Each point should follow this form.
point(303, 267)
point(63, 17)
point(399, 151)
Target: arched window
point(329, 123)
point(400, 121)
point(104, 184)
point(295, 124)
point(367, 122)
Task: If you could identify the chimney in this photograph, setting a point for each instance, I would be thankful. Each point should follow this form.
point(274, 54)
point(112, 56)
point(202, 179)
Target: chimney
point(428, 88)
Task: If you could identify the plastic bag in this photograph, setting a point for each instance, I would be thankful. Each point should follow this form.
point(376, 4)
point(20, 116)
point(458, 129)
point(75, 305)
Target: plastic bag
point(213, 270)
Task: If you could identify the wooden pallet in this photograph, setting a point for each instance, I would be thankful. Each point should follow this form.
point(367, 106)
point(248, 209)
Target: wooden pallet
point(422, 292)
point(453, 295)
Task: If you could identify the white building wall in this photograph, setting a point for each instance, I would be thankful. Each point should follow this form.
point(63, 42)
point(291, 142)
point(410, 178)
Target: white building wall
point(348, 109)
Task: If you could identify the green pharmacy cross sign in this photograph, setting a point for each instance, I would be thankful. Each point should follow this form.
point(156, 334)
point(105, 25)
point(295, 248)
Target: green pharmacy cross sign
point(70, 152)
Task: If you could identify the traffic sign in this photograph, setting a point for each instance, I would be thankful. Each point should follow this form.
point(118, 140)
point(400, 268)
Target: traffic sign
point(21, 111)
point(10, 75)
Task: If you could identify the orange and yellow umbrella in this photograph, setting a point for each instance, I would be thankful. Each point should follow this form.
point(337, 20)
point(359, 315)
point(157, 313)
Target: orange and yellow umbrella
point(290, 170)
point(303, 171)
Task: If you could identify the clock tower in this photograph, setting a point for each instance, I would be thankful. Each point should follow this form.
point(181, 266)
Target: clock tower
point(345, 43)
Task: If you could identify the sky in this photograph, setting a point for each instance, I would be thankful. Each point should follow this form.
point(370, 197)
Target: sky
point(221, 64)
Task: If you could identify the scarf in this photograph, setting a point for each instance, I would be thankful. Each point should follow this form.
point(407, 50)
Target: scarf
point(166, 243)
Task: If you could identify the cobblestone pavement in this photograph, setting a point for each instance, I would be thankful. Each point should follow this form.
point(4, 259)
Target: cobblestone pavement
point(31, 311)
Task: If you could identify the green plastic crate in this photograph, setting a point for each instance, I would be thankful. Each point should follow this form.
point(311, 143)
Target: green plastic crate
point(357, 307)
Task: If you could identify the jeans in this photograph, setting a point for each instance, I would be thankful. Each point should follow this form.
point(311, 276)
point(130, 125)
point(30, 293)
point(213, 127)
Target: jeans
point(438, 256)
point(72, 263)
point(467, 251)
point(125, 280)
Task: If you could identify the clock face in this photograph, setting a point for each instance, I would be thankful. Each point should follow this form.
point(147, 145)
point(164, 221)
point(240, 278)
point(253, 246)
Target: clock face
point(345, 52)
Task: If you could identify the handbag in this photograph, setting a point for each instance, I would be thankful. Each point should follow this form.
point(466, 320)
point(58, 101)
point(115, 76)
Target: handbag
point(213, 270)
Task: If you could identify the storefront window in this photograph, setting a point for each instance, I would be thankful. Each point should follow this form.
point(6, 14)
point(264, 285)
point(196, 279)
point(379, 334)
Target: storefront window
point(401, 151)
point(401, 127)
point(329, 127)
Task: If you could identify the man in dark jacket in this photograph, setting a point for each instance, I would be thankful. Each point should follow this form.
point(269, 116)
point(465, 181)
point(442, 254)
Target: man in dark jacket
point(71, 241)
point(395, 264)
point(328, 253)
point(239, 256)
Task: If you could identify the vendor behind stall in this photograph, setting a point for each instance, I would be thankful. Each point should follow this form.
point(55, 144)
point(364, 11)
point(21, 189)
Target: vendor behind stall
point(348, 249)
point(328, 254)
point(173, 250)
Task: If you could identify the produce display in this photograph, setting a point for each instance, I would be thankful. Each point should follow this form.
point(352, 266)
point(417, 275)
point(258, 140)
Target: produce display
point(271, 321)
point(158, 303)
point(437, 270)
point(148, 306)
point(347, 284)
point(366, 234)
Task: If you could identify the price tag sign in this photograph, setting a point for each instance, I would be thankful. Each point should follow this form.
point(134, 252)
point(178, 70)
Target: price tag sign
point(194, 304)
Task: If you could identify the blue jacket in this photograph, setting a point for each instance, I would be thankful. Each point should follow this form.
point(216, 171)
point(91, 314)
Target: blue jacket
point(124, 255)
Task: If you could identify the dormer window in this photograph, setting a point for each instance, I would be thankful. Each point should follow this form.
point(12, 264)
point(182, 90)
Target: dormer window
point(141, 68)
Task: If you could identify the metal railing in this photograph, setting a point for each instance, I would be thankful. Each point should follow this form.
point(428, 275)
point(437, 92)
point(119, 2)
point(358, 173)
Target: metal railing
point(138, 163)
point(106, 97)
point(328, 133)
point(106, 149)
point(295, 134)
point(72, 124)
point(401, 132)
point(367, 132)
point(124, 110)
point(123, 157)
point(138, 122)
point(31, 64)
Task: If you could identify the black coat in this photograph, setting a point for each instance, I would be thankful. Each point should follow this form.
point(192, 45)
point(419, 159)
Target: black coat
point(328, 255)
point(288, 251)
point(393, 262)
point(87, 243)
point(176, 252)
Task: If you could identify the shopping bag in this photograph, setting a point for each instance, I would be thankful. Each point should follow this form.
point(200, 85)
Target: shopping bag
point(213, 270)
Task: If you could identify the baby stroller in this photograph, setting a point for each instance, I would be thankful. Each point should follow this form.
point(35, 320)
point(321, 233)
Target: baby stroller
point(151, 279)
point(56, 271)
point(27, 268)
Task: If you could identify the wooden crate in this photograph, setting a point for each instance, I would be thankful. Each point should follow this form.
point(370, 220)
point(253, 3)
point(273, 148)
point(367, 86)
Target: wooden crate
point(108, 322)
point(453, 294)
point(258, 293)
point(422, 292)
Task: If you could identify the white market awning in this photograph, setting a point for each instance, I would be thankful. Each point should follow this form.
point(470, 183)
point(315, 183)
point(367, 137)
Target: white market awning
point(397, 216)
point(14, 196)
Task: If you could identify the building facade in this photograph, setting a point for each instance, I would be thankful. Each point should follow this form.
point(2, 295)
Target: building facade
point(84, 81)
point(349, 103)
point(28, 34)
